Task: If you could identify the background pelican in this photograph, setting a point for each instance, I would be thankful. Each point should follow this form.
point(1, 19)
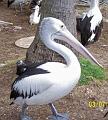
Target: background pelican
point(50, 81)
point(91, 24)
point(35, 6)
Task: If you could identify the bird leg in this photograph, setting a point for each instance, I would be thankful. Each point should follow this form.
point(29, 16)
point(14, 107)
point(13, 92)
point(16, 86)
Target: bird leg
point(56, 115)
point(21, 7)
point(23, 115)
point(105, 114)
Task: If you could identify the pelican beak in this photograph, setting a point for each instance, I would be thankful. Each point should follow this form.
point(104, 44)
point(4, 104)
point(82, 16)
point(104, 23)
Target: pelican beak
point(66, 36)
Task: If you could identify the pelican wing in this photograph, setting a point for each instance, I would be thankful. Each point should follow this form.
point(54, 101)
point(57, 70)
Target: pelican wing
point(85, 29)
point(26, 86)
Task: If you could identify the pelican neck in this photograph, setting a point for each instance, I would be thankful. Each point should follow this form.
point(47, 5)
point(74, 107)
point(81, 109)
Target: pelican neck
point(66, 53)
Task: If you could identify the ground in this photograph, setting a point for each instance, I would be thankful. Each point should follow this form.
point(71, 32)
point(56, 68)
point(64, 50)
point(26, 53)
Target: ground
point(76, 103)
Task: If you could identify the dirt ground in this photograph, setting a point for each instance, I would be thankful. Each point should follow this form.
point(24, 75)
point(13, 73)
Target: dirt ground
point(76, 103)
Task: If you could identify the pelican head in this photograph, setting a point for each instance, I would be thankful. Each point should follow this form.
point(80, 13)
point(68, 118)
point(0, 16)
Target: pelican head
point(52, 28)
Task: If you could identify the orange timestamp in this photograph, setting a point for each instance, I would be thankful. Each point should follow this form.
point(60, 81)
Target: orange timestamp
point(96, 104)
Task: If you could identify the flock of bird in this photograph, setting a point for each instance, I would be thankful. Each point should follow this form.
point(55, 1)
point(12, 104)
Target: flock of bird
point(35, 6)
point(89, 25)
point(45, 83)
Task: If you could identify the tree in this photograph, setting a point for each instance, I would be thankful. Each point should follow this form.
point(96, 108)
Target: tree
point(61, 9)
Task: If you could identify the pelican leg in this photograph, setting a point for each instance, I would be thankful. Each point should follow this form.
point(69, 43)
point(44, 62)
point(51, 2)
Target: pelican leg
point(56, 115)
point(23, 115)
point(21, 7)
point(105, 114)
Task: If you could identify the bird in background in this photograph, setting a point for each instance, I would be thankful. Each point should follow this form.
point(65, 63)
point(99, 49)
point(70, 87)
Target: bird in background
point(21, 67)
point(19, 3)
point(50, 81)
point(35, 6)
point(91, 24)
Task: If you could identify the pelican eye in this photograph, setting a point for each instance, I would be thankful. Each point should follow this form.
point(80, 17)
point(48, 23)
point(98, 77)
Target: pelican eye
point(62, 26)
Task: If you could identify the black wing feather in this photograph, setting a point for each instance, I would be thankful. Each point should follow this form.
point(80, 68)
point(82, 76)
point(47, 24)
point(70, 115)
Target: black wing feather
point(29, 72)
point(85, 30)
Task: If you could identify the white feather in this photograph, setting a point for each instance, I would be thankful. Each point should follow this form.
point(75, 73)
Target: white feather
point(96, 19)
point(48, 85)
point(35, 16)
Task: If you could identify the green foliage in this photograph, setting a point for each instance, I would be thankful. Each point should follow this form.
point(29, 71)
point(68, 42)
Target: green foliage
point(90, 71)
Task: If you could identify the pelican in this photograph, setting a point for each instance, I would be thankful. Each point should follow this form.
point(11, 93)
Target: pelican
point(50, 81)
point(35, 16)
point(91, 24)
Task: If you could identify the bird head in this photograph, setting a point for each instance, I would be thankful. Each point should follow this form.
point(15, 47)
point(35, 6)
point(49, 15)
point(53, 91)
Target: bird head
point(52, 28)
point(21, 67)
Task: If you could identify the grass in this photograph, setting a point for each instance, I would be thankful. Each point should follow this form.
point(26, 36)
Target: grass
point(90, 72)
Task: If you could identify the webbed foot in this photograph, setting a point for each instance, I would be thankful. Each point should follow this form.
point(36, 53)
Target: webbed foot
point(59, 116)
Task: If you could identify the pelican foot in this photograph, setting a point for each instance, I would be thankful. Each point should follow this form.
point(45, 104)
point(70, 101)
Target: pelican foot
point(25, 117)
point(59, 116)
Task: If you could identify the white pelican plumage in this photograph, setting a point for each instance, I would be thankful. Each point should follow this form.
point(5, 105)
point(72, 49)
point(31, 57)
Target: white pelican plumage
point(35, 8)
point(50, 81)
point(91, 24)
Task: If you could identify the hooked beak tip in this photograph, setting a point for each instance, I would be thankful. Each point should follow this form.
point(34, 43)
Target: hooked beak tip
point(101, 66)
